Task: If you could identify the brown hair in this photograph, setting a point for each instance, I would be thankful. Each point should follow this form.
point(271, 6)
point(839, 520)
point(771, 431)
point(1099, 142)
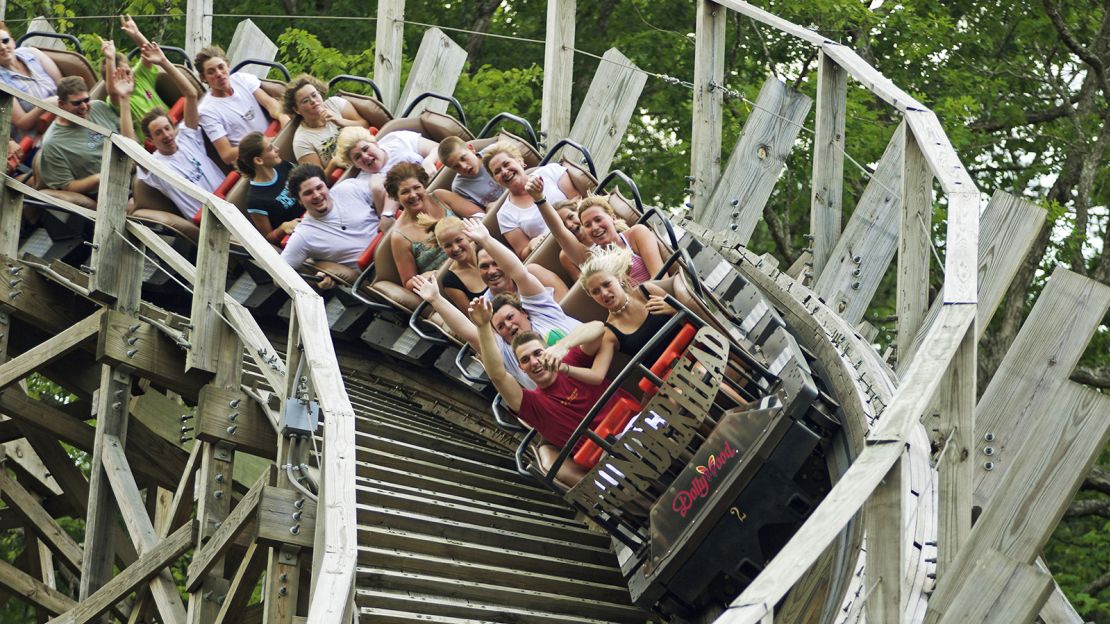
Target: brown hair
point(289, 98)
point(525, 337)
point(449, 146)
point(150, 117)
point(402, 172)
point(600, 202)
point(207, 54)
point(250, 146)
point(70, 85)
point(506, 299)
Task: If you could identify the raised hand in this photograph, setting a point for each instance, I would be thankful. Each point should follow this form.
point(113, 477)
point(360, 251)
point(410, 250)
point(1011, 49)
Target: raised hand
point(426, 288)
point(534, 187)
point(475, 230)
point(656, 304)
point(481, 311)
point(123, 84)
point(152, 53)
point(128, 26)
point(108, 49)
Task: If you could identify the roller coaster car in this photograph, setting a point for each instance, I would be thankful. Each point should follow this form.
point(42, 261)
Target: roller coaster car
point(707, 475)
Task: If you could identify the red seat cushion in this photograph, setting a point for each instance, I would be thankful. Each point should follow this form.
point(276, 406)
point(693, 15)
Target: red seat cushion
point(337, 173)
point(177, 111)
point(225, 187)
point(663, 365)
point(367, 256)
point(44, 121)
point(613, 422)
point(273, 128)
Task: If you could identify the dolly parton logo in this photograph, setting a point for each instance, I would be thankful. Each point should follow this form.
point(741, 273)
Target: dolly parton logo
point(699, 486)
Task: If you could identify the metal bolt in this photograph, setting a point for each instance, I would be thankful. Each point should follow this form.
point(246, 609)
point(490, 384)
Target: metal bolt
point(283, 577)
point(855, 285)
point(989, 465)
point(283, 591)
point(219, 477)
point(232, 416)
point(15, 270)
point(132, 340)
point(132, 329)
point(295, 529)
point(857, 259)
point(232, 429)
point(734, 203)
point(15, 293)
point(856, 272)
point(131, 352)
point(234, 403)
point(186, 429)
point(989, 436)
point(15, 282)
point(988, 450)
point(185, 417)
point(297, 515)
point(116, 405)
point(298, 503)
point(218, 494)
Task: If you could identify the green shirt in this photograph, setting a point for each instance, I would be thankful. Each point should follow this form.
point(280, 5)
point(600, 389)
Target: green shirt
point(145, 98)
point(73, 152)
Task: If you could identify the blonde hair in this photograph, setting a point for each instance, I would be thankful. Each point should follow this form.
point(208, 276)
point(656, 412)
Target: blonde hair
point(348, 138)
point(501, 147)
point(616, 261)
point(440, 226)
point(600, 202)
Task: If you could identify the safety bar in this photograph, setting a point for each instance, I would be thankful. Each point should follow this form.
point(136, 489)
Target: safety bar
point(359, 79)
point(271, 64)
point(438, 96)
point(185, 60)
point(460, 357)
point(356, 292)
point(414, 325)
point(504, 423)
point(621, 176)
point(52, 35)
point(655, 212)
point(522, 122)
point(521, 449)
point(576, 145)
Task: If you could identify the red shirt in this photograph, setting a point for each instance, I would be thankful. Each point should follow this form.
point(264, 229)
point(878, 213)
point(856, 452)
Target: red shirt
point(557, 410)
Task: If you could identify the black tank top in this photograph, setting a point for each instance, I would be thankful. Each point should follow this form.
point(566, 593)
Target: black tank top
point(452, 280)
point(630, 344)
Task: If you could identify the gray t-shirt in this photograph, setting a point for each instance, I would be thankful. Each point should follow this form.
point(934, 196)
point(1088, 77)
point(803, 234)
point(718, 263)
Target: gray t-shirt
point(73, 152)
point(548, 320)
point(480, 189)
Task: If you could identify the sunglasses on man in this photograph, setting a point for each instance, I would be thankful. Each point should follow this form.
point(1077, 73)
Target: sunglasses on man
point(84, 100)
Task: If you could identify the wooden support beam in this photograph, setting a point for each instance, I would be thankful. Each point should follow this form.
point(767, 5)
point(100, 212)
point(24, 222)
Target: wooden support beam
point(179, 509)
point(125, 340)
point(706, 116)
point(41, 24)
point(32, 590)
point(955, 436)
point(558, 69)
point(756, 162)
point(1038, 363)
point(162, 586)
point(283, 586)
point(41, 522)
point(863, 252)
point(915, 236)
point(240, 519)
point(57, 346)
point(229, 415)
point(198, 26)
point(886, 548)
point(286, 517)
point(31, 297)
point(826, 205)
point(962, 244)
point(608, 107)
point(208, 296)
point(11, 203)
point(148, 566)
point(1005, 591)
point(242, 584)
point(388, 40)
point(111, 223)
point(439, 63)
point(249, 42)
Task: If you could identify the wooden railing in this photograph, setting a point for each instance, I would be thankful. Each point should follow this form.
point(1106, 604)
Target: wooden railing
point(219, 326)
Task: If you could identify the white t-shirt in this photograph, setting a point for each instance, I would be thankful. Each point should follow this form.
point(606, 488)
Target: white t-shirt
point(528, 219)
point(401, 146)
point(548, 320)
point(319, 141)
point(191, 162)
point(342, 234)
point(235, 115)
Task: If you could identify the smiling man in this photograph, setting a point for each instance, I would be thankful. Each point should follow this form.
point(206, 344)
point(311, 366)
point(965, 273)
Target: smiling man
point(70, 152)
point(235, 103)
point(179, 148)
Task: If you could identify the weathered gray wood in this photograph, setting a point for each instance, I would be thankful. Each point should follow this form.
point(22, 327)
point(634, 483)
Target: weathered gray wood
point(208, 296)
point(53, 348)
point(111, 217)
point(886, 552)
point(282, 588)
point(955, 406)
point(198, 26)
point(223, 537)
point(937, 150)
point(388, 40)
point(1004, 591)
point(705, 125)
point(28, 588)
point(1031, 500)
point(162, 586)
point(827, 198)
point(249, 42)
point(961, 247)
point(11, 204)
point(146, 567)
point(1057, 609)
point(608, 107)
point(43, 524)
point(436, 69)
point(757, 161)
point(558, 69)
point(1039, 362)
point(1009, 226)
point(865, 249)
point(915, 237)
point(41, 24)
point(242, 584)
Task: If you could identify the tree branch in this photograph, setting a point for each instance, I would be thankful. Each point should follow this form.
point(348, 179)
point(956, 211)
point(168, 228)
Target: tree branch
point(1077, 48)
point(1028, 119)
point(1090, 507)
point(1098, 585)
point(1098, 480)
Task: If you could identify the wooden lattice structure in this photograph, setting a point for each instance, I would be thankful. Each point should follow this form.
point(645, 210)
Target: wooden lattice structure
point(926, 455)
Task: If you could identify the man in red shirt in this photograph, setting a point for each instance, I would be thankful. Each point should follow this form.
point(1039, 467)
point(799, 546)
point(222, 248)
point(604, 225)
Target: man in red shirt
point(566, 386)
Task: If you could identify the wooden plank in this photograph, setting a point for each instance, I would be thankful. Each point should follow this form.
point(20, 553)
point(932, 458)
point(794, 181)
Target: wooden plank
point(198, 26)
point(558, 69)
point(388, 40)
point(1034, 494)
point(242, 584)
point(286, 517)
point(54, 348)
point(864, 250)
point(41, 24)
point(885, 446)
point(222, 538)
point(162, 586)
point(208, 296)
point(58, 112)
point(1038, 363)
point(282, 587)
point(32, 298)
point(937, 150)
point(1005, 590)
point(127, 341)
point(179, 509)
point(231, 416)
point(26, 587)
point(955, 405)
point(108, 243)
point(608, 107)
point(706, 117)
point(961, 246)
point(436, 69)
point(11, 203)
point(1009, 226)
point(827, 198)
point(1057, 609)
point(886, 552)
point(28, 464)
point(914, 239)
point(249, 42)
point(41, 522)
point(149, 565)
point(757, 161)
point(775, 21)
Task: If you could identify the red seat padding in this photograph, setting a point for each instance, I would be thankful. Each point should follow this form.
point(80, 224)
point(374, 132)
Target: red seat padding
point(273, 128)
point(368, 255)
point(663, 365)
point(44, 121)
point(613, 422)
point(285, 240)
point(373, 130)
point(337, 173)
point(225, 186)
point(177, 111)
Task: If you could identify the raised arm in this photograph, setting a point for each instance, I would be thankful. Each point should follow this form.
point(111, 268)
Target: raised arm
point(597, 371)
point(526, 283)
point(575, 250)
point(129, 28)
point(480, 313)
point(456, 321)
point(152, 54)
point(122, 86)
point(586, 336)
point(48, 64)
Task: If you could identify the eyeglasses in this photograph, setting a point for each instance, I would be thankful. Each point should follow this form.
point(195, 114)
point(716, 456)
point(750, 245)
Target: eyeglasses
point(312, 97)
point(84, 100)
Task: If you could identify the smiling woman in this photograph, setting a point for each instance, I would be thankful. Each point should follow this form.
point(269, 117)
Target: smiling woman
point(32, 72)
point(320, 121)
